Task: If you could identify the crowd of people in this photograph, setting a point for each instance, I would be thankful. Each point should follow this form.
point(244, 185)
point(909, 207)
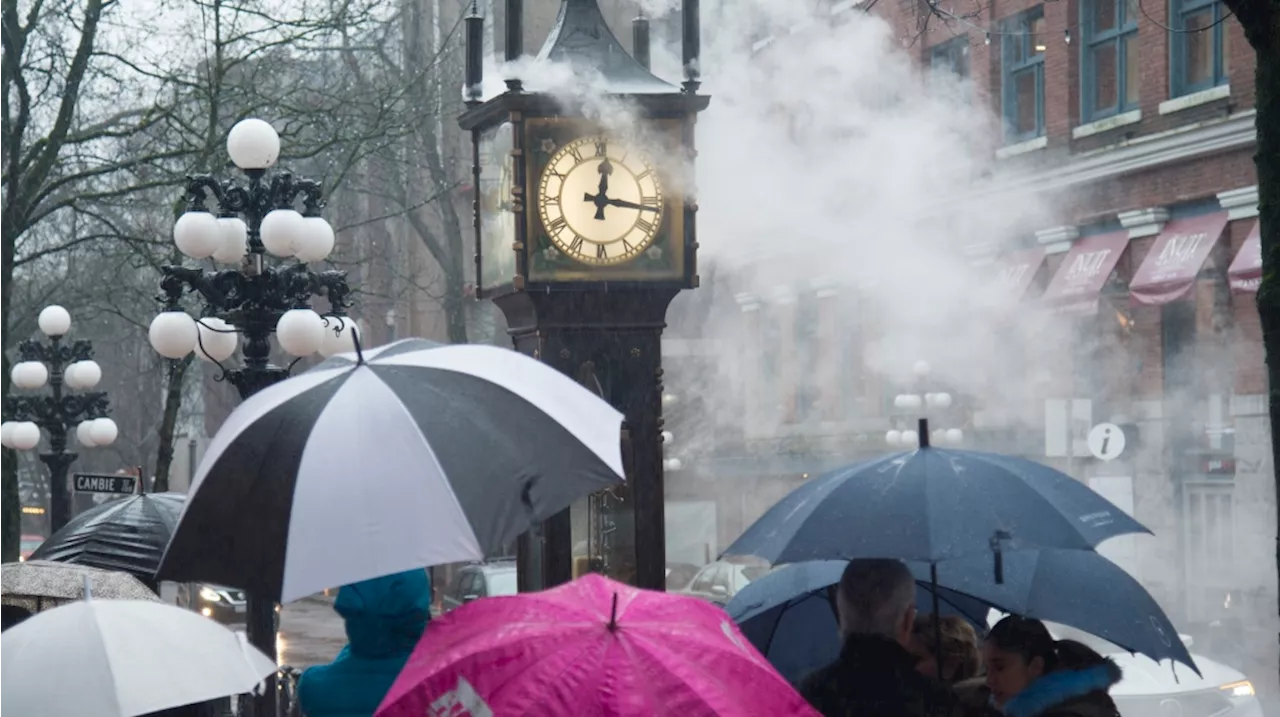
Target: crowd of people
point(896, 663)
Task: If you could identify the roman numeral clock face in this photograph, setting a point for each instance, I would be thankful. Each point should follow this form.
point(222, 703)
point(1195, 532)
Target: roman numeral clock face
point(600, 202)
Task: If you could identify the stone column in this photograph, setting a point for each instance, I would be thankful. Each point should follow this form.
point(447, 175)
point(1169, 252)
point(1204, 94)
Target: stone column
point(831, 389)
point(782, 306)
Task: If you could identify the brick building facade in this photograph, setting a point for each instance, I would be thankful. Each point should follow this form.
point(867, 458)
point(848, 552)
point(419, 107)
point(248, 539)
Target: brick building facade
point(1135, 121)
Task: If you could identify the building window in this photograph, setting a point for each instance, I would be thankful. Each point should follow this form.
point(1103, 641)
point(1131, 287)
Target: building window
point(1110, 58)
point(1199, 46)
point(1023, 73)
point(951, 56)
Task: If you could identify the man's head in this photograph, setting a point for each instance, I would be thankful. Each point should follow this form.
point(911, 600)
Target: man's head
point(877, 597)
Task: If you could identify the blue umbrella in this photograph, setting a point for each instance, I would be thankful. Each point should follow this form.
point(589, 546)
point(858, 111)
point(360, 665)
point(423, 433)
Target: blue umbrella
point(929, 505)
point(790, 618)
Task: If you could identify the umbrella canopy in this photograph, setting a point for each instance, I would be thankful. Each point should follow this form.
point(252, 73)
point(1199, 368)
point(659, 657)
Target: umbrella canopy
point(411, 455)
point(930, 505)
point(593, 646)
point(1077, 588)
point(38, 584)
point(121, 658)
point(789, 616)
point(127, 534)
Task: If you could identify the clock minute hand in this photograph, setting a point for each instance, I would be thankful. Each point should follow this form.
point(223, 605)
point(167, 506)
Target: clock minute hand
point(629, 205)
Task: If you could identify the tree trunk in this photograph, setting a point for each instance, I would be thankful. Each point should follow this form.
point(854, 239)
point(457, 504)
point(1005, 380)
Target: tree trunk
point(172, 402)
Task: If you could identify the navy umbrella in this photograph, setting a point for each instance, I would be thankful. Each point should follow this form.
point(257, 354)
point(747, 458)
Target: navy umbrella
point(1077, 588)
point(127, 534)
point(789, 615)
point(929, 505)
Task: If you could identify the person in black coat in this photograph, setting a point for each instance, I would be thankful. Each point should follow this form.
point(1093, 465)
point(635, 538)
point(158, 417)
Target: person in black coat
point(1029, 674)
point(876, 674)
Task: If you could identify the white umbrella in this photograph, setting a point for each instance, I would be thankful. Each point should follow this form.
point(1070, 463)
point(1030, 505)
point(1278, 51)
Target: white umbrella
point(121, 658)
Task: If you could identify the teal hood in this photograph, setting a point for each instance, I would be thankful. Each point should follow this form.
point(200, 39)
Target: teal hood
point(385, 618)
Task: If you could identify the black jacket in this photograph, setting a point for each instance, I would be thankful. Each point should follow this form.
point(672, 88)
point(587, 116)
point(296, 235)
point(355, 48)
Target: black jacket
point(876, 677)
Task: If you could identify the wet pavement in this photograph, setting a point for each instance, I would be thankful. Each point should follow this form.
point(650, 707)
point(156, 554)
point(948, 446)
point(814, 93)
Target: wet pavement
point(311, 632)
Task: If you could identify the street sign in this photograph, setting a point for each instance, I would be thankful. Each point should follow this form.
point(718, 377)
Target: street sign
point(105, 483)
point(1106, 441)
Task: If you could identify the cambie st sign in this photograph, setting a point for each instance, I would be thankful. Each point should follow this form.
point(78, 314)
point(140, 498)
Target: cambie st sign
point(105, 483)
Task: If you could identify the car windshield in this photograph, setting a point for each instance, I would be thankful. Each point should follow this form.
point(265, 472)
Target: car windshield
point(502, 582)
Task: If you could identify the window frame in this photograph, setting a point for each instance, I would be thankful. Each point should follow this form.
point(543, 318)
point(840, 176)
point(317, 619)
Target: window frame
point(1178, 11)
point(1126, 26)
point(1017, 29)
point(951, 56)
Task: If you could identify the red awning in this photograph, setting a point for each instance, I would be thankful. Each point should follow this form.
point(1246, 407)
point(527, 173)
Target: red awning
point(1246, 270)
point(1017, 270)
point(1175, 258)
point(1075, 288)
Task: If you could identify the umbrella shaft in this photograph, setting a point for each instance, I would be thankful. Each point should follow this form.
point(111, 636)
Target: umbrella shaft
point(260, 628)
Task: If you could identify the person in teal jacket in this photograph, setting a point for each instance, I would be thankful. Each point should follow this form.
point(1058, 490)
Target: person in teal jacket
point(385, 619)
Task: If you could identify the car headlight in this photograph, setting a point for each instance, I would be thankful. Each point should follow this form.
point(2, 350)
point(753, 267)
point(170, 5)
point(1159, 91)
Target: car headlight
point(1237, 690)
point(209, 595)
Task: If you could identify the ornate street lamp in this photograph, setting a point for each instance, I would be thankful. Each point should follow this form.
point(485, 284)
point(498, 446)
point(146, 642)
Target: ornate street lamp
point(61, 366)
point(911, 405)
point(238, 225)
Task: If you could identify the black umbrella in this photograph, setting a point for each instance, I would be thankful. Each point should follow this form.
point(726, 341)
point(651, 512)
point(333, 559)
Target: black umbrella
point(410, 455)
point(126, 534)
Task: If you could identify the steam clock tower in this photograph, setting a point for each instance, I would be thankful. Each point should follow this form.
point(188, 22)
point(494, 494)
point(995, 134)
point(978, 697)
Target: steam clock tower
point(585, 232)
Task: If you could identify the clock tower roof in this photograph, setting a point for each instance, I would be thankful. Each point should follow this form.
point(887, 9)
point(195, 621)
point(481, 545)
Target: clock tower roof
point(582, 38)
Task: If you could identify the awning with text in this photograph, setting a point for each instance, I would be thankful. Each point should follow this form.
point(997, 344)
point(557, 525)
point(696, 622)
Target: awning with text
point(1169, 269)
point(1246, 269)
point(1085, 270)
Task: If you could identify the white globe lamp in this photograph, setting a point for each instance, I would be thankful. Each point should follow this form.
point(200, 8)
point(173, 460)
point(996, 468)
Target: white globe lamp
point(6, 430)
point(24, 435)
point(300, 332)
point(82, 375)
point(103, 431)
point(667, 438)
point(339, 335)
point(672, 464)
point(217, 339)
point(84, 434)
point(921, 369)
point(942, 400)
point(253, 144)
point(197, 234)
point(955, 436)
point(29, 374)
point(54, 320)
point(283, 231)
point(893, 438)
point(910, 439)
point(234, 241)
point(173, 334)
point(316, 240)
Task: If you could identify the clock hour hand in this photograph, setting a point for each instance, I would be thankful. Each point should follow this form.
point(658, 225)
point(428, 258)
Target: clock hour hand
point(600, 199)
point(629, 205)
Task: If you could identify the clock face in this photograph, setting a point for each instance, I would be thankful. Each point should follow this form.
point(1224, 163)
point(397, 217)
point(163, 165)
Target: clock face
point(600, 202)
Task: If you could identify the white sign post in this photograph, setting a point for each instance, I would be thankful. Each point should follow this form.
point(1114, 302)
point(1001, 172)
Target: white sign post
point(1106, 441)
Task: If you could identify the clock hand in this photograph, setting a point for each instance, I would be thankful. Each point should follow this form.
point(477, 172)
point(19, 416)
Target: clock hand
point(629, 205)
point(600, 199)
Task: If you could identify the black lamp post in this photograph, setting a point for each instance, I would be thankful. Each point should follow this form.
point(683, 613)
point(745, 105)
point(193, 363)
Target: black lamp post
point(238, 224)
point(61, 366)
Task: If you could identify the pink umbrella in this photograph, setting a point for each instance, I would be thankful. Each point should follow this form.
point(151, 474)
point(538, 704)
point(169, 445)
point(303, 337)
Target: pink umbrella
point(591, 647)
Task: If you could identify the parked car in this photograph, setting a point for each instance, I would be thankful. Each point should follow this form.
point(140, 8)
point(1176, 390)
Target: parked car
point(479, 580)
point(1151, 688)
point(721, 580)
point(223, 604)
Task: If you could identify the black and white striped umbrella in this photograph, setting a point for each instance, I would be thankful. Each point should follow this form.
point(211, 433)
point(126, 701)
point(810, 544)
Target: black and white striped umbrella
point(418, 454)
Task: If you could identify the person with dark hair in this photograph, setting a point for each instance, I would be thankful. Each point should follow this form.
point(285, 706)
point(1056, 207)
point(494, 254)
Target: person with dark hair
point(875, 675)
point(1029, 674)
point(957, 659)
